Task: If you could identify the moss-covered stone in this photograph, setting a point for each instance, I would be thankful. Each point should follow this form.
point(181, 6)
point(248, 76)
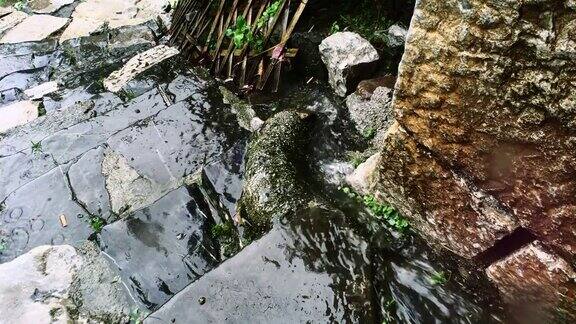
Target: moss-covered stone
point(273, 187)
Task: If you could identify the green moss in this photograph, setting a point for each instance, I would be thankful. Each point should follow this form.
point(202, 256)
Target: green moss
point(382, 211)
point(438, 278)
point(227, 237)
point(272, 170)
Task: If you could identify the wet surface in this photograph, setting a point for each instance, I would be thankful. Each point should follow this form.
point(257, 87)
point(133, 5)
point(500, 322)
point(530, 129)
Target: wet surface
point(320, 265)
point(160, 249)
point(309, 269)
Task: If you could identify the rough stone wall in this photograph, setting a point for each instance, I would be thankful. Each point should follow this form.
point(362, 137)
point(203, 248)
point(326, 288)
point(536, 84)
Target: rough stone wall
point(486, 103)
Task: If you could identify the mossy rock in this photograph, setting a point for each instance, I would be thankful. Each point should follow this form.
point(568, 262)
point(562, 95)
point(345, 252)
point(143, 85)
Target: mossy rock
point(272, 183)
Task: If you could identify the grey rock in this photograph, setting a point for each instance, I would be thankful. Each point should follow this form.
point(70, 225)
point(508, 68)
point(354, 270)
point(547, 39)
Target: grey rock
point(373, 114)
point(272, 188)
point(35, 286)
point(347, 56)
point(58, 284)
point(396, 36)
point(160, 249)
point(96, 290)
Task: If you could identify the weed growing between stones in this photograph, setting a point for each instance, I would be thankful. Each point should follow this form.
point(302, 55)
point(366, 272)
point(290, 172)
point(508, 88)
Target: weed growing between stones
point(369, 133)
point(3, 244)
point(137, 316)
point(36, 147)
point(389, 308)
point(227, 237)
point(97, 223)
point(438, 278)
point(126, 95)
point(384, 212)
point(41, 109)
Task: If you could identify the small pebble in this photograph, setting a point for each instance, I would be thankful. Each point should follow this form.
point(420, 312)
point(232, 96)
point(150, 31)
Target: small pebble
point(202, 300)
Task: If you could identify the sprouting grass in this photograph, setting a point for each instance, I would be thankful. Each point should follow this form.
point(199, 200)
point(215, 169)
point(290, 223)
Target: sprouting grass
point(137, 316)
point(97, 223)
point(382, 211)
point(36, 147)
point(226, 235)
point(438, 278)
point(126, 95)
point(369, 133)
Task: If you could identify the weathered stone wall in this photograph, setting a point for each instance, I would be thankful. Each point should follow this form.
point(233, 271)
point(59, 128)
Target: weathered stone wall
point(486, 102)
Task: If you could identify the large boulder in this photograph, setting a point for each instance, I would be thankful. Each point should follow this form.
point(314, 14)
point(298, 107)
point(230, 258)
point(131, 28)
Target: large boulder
point(347, 56)
point(485, 150)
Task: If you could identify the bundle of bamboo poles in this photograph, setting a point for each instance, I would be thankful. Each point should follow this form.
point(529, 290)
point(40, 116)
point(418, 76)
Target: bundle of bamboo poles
point(239, 40)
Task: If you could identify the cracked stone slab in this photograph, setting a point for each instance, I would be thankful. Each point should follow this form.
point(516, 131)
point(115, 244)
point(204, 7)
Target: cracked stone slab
point(6, 10)
point(47, 6)
point(69, 143)
point(137, 65)
point(19, 139)
point(31, 215)
point(20, 168)
point(18, 113)
point(88, 183)
point(173, 144)
point(11, 20)
point(284, 277)
point(33, 29)
point(160, 249)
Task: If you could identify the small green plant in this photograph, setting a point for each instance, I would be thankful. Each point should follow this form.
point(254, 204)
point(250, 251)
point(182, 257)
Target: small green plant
point(382, 211)
point(438, 278)
point(334, 28)
point(137, 316)
point(240, 33)
point(69, 54)
point(126, 95)
point(20, 5)
point(268, 14)
point(3, 244)
point(36, 147)
point(369, 133)
point(389, 308)
point(41, 110)
point(97, 223)
point(226, 235)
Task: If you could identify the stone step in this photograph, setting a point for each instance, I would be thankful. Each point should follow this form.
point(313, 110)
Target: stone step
point(312, 268)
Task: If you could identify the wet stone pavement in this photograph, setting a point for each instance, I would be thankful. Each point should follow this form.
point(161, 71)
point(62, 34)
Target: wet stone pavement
point(146, 172)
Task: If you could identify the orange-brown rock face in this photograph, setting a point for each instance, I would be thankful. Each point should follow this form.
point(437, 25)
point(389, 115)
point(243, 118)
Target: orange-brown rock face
point(539, 286)
point(489, 87)
point(486, 142)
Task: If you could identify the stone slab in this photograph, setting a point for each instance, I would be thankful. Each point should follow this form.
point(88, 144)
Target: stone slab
point(138, 64)
point(33, 29)
point(11, 20)
point(47, 6)
point(160, 249)
point(16, 114)
point(285, 277)
point(31, 215)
